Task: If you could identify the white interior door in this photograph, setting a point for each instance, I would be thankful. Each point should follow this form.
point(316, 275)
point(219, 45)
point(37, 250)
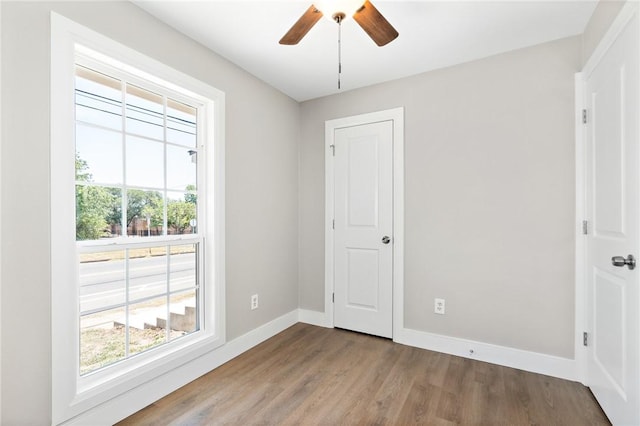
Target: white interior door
point(612, 182)
point(363, 234)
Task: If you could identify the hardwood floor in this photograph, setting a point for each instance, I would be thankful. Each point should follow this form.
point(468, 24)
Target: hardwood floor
point(311, 375)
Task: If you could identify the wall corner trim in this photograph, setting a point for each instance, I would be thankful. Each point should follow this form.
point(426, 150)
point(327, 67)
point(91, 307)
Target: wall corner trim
point(533, 362)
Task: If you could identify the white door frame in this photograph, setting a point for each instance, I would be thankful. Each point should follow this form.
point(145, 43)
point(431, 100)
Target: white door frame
point(580, 306)
point(618, 25)
point(397, 116)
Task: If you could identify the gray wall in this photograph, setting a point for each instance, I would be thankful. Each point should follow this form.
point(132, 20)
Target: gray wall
point(261, 186)
point(600, 21)
point(489, 196)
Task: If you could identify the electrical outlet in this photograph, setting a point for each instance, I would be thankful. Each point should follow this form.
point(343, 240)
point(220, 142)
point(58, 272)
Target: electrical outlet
point(438, 306)
point(254, 302)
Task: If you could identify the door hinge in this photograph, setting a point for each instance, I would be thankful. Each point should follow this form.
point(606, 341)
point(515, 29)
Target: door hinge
point(585, 338)
point(584, 116)
point(585, 227)
point(333, 298)
point(333, 150)
point(333, 224)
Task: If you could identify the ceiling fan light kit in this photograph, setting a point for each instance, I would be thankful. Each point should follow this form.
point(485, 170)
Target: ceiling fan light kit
point(330, 8)
point(364, 13)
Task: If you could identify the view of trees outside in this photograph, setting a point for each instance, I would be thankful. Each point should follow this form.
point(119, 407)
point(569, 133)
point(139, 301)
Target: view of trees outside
point(99, 209)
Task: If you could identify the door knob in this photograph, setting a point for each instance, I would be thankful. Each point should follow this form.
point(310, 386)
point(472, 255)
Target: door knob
point(385, 240)
point(620, 261)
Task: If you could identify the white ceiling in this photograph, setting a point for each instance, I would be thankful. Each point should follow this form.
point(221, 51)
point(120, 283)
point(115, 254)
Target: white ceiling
point(433, 34)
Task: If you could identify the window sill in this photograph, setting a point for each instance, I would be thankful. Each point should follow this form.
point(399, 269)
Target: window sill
point(106, 384)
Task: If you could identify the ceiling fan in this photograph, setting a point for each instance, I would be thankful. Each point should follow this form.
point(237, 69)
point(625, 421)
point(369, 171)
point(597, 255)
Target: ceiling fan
point(366, 15)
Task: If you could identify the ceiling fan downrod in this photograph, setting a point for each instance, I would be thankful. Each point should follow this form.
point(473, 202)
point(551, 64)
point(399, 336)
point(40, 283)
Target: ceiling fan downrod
point(338, 17)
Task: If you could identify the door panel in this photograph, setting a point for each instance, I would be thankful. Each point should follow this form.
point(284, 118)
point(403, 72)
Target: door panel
point(363, 284)
point(362, 181)
point(612, 208)
point(363, 216)
point(609, 315)
point(609, 156)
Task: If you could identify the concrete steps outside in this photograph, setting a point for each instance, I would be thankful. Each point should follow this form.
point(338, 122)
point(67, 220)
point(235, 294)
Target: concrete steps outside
point(181, 321)
point(182, 317)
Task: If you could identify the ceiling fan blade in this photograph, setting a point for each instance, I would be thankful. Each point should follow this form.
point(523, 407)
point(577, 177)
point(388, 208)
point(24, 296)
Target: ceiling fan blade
point(374, 24)
point(302, 26)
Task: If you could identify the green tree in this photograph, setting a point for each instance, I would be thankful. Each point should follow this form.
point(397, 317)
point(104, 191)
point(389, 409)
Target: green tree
point(155, 214)
point(179, 214)
point(140, 202)
point(81, 170)
point(93, 205)
point(97, 207)
point(114, 215)
point(191, 196)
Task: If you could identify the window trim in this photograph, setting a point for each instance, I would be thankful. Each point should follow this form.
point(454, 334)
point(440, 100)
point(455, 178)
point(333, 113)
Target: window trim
point(70, 396)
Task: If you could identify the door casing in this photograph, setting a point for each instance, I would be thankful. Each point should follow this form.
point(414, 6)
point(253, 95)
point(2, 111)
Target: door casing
point(397, 116)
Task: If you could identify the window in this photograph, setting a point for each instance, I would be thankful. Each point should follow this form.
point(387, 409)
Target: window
point(136, 186)
point(137, 219)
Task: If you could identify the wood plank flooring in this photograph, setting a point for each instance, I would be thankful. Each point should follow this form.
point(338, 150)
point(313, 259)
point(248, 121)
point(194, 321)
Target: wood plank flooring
point(310, 375)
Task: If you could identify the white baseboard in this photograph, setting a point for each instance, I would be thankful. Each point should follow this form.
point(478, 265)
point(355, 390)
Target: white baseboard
point(313, 318)
point(134, 400)
point(534, 362)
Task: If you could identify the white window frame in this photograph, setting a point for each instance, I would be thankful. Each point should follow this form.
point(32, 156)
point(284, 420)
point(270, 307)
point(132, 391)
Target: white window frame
point(71, 393)
point(86, 59)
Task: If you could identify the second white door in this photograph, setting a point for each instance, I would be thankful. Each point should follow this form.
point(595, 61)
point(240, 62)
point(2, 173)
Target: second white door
point(363, 234)
point(613, 190)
